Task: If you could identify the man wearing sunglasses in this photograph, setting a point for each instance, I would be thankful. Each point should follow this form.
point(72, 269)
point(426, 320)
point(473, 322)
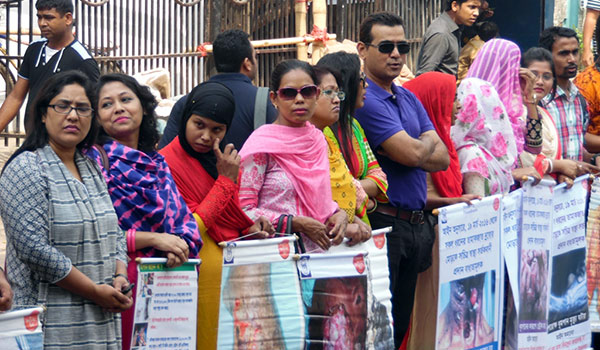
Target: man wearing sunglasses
point(441, 42)
point(407, 146)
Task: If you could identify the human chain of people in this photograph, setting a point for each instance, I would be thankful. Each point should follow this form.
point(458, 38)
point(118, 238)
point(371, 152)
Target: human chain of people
point(346, 205)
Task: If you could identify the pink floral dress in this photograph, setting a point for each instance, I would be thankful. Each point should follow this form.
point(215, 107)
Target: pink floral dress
point(266, 190)
point(484, 138)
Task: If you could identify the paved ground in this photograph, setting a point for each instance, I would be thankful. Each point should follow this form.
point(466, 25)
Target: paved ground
point(5, 152)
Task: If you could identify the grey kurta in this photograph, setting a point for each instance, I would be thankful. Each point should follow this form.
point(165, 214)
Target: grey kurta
point(54, 222)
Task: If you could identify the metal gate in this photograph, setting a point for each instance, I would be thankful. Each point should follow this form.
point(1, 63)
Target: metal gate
point(128, 36)
point(132, 36)
point(268, 19)
point(15, 34)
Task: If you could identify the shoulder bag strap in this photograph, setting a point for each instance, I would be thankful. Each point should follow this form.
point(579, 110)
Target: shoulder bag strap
point(260, 107)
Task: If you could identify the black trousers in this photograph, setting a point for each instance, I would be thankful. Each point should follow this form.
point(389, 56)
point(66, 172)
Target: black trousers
point(409, 252)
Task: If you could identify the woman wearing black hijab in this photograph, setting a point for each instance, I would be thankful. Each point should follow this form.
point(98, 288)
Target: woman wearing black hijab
point(206, 175)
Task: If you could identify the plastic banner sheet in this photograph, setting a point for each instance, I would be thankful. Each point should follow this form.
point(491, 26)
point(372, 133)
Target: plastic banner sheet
point(511, 228)
point(568, 319)
point(379, 311)
point(471, 276)
point(21, 330)
point(593, 255)
point(335, 296)
point(166, 303)
point(511, 224)
point(261, 304)
point(535, 242)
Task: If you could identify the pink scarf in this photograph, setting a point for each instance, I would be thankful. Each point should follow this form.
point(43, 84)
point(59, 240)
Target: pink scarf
point(302, 153)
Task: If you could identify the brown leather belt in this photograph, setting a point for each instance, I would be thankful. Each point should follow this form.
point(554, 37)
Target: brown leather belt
point(414, 217)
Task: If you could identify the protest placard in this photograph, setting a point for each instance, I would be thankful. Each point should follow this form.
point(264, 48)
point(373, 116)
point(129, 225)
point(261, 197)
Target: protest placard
point(593, 256)
point(471, 274)
point(568, 320)
point(535, 241)
point(21, 329)
point(261, 304)
point(335, 296)
point(379, 311)
point(165, 308)
point(511, 228)
point(510, 224)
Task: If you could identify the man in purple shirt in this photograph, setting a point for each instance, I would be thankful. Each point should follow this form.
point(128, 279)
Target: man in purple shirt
point(407, 146)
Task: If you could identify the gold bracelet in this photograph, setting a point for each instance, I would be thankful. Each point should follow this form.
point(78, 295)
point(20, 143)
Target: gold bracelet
point(374, 208)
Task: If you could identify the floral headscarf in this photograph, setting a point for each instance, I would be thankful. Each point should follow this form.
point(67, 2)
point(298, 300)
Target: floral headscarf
point(483, 136)
point(498, 63)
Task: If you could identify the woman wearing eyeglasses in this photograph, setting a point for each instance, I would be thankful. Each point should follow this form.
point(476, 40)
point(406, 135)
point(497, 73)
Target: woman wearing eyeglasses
point(65, 249)
point(342, 182)
point(349, 137)
point(285, 166)
point(539, 61)
point(150, 208)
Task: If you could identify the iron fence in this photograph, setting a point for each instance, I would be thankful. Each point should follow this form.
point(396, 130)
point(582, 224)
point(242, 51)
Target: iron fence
point(265, 19)
point(345, 16)
point(132, 36)
point(15, 34)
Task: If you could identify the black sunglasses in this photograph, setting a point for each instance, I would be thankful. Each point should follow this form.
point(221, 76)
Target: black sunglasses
point(387, 47)
point(308, 91)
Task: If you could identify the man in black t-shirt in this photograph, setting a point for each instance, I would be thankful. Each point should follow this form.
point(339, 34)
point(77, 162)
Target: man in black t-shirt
point(58, 51)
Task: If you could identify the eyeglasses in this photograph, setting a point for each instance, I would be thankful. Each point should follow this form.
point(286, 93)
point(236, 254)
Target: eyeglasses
point(387, 47)
point(544, 76)
point(332, 93)
point(363, 79)
point(307, 91)
point(66, 109)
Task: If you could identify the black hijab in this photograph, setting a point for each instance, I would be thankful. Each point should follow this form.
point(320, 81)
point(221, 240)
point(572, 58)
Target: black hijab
point(210, 100)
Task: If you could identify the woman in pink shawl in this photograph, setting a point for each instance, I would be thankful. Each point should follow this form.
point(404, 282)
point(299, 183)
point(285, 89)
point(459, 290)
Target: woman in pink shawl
point(499, 63)
point(285, 165)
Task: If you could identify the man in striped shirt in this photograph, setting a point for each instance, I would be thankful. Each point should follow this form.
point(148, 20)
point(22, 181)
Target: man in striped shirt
point(567, 107)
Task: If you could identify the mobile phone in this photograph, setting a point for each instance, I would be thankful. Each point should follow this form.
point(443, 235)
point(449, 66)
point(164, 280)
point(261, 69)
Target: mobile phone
point(127, 289)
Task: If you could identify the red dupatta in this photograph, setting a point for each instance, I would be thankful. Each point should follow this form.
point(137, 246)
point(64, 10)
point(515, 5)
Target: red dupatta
point(225, 219)
point(436, 91)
